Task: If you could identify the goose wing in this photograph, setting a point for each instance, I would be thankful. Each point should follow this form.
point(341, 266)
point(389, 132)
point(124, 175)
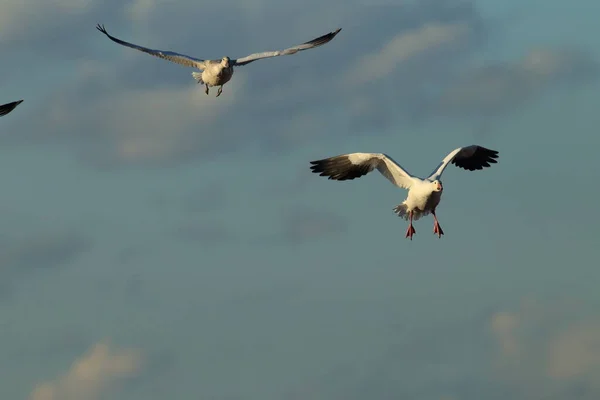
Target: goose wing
point(354, 165)
point(181, 59)
point(321, 40)
point(470, 158)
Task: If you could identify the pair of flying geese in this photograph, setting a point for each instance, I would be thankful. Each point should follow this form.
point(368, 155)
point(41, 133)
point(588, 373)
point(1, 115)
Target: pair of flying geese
point(424, 195)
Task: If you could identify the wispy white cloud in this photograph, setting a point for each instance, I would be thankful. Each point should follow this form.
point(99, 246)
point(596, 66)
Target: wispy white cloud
point(135, 124)
point(556, 63)
point(92, 375)
point(575, 352)
point(503, 326)
point(545, 349)
point(406, 46)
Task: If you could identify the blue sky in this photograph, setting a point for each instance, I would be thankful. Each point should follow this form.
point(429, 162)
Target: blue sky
point(160, 243)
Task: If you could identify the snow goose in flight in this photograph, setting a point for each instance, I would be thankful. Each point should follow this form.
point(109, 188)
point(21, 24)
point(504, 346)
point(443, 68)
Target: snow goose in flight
point(424, 195)
point(7, 108)
point(219, 72)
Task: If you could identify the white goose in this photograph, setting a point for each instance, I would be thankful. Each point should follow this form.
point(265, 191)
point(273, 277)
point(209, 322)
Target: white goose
point(424, 195)
point(7, 108)
point(219, 72)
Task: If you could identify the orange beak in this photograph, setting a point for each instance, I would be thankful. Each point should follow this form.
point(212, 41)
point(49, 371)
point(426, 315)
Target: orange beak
point(439, 186)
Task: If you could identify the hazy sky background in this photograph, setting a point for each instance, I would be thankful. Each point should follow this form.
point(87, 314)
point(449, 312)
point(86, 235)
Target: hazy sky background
point(160, 243)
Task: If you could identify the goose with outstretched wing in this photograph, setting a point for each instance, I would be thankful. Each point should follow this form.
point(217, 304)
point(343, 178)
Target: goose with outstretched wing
point(7, 108)
point(424, 195)
point(219, 72)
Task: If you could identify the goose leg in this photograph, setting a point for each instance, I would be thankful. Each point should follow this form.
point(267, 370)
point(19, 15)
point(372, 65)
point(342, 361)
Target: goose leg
point(206, 90)
point(437, 229)
point(411, 229)
point(219, 91)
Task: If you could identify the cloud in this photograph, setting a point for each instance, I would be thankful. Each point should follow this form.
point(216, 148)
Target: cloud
point(288, 184)
point(303, 224)
point(503, 327)
point(118, 107)
point(91, 375)
point(487, 90)
point(538, 349)
point(17, 19)
point(405, 46)
point(56, 31)
point(140, 10)
point(114, 126)
point(548, 350)
point(559, 64)
point(575, 352)
point(204, 198)
point(205, 233)
point(42, 251)
point(501, 87)
point(49, 344)
point(297, 227)
point(420, 355)
point(20, 257)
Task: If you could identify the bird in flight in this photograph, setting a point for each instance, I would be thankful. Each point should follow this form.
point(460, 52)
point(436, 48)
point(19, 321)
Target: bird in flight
point(219, 72)
point(7, 108)
point(424, 195)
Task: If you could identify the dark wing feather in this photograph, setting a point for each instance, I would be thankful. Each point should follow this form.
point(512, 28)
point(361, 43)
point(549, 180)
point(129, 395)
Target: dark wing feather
point(479, 158)
point(7, 108)
point(340, 168)
point(354, 165)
